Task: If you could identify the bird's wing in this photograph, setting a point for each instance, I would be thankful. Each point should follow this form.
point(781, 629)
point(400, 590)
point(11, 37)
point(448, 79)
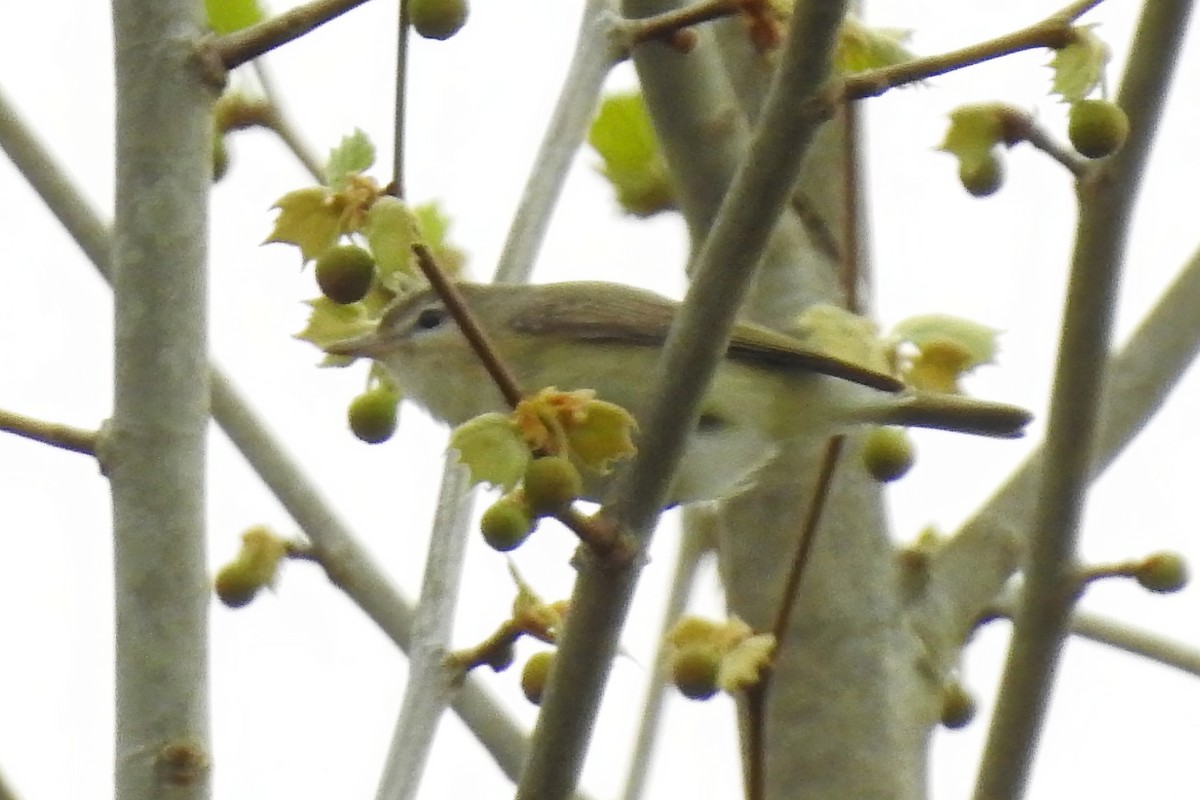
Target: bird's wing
point(609, 312)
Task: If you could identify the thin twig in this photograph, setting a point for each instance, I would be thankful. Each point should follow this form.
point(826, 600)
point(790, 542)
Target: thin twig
point(77, 440)
point(1122, 636)
point(1040, 138)
point(280, 122)
point(804, 545)
point(475, 335)
point(235, 49)
point(756, 696)
point(400, 115)
point(1055, 31)
point(666, 26)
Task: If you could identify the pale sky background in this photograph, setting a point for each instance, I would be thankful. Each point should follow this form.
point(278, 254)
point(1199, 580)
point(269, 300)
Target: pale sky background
point(305, 688)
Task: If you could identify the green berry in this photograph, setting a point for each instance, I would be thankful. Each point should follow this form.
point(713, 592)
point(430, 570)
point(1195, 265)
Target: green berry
point(694, 672)
point(506, 524)
point(344, 273)
point(438, 19)
point(958, 706)
point(236, 584)
point(536, 674)
point(983, 177)
point(372, 415)
point(552, 483)
point(888, 453)
point(1163, 572)
point(1097, 128)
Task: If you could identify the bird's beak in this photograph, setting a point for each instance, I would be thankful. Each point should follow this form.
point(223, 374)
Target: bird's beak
point(365, 346)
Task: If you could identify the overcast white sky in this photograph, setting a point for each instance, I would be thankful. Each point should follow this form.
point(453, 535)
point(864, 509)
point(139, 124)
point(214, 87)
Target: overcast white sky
point(306, 689)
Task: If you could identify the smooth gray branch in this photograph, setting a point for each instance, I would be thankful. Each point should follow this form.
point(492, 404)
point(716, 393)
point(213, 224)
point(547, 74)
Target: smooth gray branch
point(1106, 198)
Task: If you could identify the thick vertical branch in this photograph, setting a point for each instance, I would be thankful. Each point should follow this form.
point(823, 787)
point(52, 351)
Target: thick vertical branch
point(1106, 200)
point(154, 451)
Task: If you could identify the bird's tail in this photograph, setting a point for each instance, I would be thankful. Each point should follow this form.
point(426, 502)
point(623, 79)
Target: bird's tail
point(954, 412)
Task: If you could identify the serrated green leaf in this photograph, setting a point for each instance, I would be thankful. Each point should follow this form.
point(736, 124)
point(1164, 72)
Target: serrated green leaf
point(492, 449)
point(974, 130)
point(603, 435)
point(355, 154)
point(1079, 67)
point(391, 231)
point(434, 225)
point(976, 340)
point(308, 220)
point(624, 138)
point(861, 48)
point(330, 322)
point(227, 16)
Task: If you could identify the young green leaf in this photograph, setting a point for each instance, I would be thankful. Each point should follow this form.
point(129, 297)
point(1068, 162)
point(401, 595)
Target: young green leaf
point(492, 449)
point(308, 220)
point(623, 137)
point(355, 154)
point(974, 133)
point(330, 322)
point(227, 16)
point(434, 225)
point(1079, 66)
point(978, 340)
point(603, 434)
point(391, 231)
point(861, 48)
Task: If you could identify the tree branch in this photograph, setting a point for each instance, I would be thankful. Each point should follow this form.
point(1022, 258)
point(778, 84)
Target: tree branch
point(153, 449)
point(76, 440)
point(1138, 641)
point(429, 688)
point(1105, 209)
point(346, 561)
point(235, 49)
point(694, 347)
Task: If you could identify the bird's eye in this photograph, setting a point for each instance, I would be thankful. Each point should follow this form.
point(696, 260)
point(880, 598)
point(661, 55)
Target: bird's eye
point(429, 319)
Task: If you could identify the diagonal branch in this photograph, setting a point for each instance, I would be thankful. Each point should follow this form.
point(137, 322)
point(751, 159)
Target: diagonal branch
point(696, 344)
point(234, 49)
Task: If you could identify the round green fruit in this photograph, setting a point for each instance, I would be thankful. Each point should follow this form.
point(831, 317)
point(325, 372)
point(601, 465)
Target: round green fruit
point(438, 19)
point(888, 453)
point(982, 178)
point(1163, 572)
point(958, 707)
point(536, 674)
point(1097, 128)
point(506, 524)
point(236, 584)
point(372, 415)
point(551, 484)
point(345, 273)
point(694, 672)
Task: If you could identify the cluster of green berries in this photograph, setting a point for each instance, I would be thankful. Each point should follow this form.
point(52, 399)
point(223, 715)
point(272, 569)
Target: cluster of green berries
point(550, 485)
